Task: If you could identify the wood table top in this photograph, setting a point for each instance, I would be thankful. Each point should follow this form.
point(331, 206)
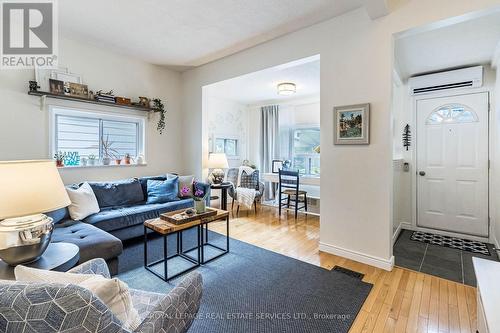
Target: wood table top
point(164, 227)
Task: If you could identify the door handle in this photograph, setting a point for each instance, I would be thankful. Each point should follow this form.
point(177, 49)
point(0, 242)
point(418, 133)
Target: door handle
point(421, 173)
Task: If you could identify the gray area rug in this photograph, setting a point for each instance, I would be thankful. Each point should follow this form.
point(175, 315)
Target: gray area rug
point(255, 290)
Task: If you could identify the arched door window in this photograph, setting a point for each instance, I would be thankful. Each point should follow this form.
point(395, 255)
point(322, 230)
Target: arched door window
point(452, 114)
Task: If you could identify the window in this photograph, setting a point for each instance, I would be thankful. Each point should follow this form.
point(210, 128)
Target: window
point(81, 132)
point(303, 143)
point(452, 114)
point(227, 146)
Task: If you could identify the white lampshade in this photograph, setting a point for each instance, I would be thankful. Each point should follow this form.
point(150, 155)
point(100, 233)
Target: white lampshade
point(30, 187)
point(217, 161)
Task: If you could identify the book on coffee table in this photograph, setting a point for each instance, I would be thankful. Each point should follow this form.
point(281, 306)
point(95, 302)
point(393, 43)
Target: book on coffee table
point(181, 217)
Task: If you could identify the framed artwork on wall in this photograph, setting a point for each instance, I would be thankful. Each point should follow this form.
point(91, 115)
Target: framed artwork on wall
point(351, 124)
point(277, 165)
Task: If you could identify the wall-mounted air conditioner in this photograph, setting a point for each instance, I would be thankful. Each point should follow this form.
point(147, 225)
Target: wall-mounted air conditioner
point(471, 77)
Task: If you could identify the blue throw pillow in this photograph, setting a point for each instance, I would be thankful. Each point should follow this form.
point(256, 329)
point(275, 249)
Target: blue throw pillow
point(161, 191)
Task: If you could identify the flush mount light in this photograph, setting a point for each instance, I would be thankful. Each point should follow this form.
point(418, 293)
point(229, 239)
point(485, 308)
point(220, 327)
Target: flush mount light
point(286, 88)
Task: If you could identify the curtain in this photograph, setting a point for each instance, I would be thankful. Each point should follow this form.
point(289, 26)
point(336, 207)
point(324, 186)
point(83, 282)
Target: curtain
point(270, 143)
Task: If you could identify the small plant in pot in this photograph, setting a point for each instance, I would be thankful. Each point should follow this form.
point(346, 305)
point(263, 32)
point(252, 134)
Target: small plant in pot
point(91, 159)
point(59, 157)
point(127, 158)
point(118, 160)
point(107, 151)
point(199, 198)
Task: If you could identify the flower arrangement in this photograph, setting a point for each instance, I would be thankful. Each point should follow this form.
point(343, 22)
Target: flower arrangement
point(59, 157)
point(199, 198)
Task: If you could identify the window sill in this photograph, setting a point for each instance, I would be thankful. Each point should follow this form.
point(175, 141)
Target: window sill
point(101, 166)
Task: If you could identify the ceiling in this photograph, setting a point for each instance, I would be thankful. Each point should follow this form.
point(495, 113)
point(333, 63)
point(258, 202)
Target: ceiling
point(470, 41)
point(261, 86)
point(187, 33)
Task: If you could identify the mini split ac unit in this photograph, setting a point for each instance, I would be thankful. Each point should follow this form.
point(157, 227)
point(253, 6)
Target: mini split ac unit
point(471, 77)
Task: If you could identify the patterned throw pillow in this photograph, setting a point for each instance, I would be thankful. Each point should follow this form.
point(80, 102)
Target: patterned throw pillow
point(186, 186)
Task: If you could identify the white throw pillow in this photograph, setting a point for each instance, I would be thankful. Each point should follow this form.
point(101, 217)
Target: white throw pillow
point(112, 292)
point(83, 202)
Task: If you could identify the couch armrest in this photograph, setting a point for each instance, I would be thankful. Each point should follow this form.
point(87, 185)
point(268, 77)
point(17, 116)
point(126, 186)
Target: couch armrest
point(176, 312)
point(94, 266)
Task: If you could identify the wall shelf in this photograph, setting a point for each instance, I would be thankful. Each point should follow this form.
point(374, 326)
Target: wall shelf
point(43, 95)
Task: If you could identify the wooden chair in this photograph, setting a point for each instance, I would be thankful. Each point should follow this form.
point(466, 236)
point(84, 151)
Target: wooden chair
point(289, 186)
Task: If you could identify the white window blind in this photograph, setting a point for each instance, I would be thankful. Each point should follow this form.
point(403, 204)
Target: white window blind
point(83, 134)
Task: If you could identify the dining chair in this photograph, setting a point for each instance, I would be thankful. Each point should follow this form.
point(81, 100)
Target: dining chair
point(289, 187)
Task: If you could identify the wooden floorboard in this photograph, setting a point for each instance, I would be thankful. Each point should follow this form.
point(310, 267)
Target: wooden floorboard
point(400, 300)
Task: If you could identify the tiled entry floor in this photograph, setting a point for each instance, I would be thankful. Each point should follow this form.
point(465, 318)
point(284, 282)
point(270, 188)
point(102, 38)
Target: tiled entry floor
point(444, 262)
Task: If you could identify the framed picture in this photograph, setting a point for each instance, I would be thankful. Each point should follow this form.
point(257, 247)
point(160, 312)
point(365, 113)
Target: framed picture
point(64, 75)
point(76, 89)
point(56, 87)
point(351, 124)
point(277, 165)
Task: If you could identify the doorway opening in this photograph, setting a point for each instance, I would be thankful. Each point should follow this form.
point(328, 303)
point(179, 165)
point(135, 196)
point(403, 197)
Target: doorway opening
point(445, 135)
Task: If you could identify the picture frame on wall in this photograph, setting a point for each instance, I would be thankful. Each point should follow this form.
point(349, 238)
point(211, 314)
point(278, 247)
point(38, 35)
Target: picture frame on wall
point(276, 166)
point(351, 124)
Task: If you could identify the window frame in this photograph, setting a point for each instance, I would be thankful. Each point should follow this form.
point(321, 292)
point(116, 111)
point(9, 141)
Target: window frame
point(61, 110)
point(226, 138)
point(307, 156)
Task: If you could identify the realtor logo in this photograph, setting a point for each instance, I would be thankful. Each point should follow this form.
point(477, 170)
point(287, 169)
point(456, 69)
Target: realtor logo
point(29, 34)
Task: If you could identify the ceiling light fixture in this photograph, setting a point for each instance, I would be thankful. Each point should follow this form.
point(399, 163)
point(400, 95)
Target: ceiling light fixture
point(287, 88)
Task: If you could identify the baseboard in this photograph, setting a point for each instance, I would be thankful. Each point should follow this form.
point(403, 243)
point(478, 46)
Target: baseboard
point(388, 265)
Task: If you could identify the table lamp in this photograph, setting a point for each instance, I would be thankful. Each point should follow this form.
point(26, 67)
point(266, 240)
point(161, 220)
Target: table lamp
point(217, 162)
point(28, 189)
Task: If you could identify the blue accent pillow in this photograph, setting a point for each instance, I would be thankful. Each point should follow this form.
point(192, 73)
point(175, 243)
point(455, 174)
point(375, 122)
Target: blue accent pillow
point(118, 193)
point(161, 191)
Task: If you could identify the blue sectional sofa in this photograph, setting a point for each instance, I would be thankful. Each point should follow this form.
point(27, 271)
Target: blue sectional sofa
point(123, 210)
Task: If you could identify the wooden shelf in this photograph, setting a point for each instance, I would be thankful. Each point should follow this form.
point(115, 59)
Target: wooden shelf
point(44, 94)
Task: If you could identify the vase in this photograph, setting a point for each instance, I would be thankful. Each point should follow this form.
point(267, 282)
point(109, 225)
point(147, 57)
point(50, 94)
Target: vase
point(91, 162)
point(199, 206)
point(106, 160)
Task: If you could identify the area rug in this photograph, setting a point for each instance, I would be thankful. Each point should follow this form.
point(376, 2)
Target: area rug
point(255, 290)
point(452, 242)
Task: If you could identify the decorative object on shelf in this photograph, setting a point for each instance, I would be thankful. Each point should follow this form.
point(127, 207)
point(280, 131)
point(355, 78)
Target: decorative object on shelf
point(123, 101)
point(108, 151)
point(140, 160)
point(91, 159)
point(72, 158)
point(59, 157)
point(277, 165)
point(33, 86)
point(144, 101)
point(64, 75)
point(56, 87)
point(84, 161)
point(158, 106)
point(287, 164)
point(33, 187)
point(118, 161)
point(105, 97)
point(406, 137)
point(77, 89)
point(199, 199)
point(217, 162)
point(351, 124)
point(287, 88)
point(127, 158)
point(91, 95)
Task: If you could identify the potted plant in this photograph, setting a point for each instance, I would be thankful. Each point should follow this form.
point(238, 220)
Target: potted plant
point(159, 107)
point(107, 151)
point(199, 199)
point(118, 160)
point(91, 159)
point(127, 158)
point(59, 157)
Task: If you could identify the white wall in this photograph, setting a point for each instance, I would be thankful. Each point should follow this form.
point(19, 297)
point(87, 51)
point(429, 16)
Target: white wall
point(495, 165)
point(24, 127)
point(356, 67)
point(228, 119)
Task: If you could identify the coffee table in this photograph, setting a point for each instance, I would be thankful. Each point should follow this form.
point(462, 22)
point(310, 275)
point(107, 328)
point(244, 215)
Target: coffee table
point(59, 257)
point(164, 227)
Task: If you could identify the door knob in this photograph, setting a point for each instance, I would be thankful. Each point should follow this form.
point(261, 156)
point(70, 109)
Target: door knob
point(422, 173)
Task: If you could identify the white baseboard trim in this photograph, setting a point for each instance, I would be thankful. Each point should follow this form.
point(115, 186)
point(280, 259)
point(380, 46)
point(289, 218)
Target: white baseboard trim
point(388, 265)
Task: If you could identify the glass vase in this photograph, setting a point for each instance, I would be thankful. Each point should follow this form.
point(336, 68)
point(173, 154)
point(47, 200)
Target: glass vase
point(199, 206)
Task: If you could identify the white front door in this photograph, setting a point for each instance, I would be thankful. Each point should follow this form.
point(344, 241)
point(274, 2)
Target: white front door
point(452, 163)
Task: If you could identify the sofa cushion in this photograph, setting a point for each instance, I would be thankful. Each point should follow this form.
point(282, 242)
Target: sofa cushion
point(59, 215)
point(83, 202)
point(93, 242)
point(111, 219)
point(144, 183)
point(161, 191)
point(118, 193)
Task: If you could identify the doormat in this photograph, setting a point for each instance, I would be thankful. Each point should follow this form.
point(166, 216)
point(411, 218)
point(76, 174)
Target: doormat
point(346, 271)
point(452, 242)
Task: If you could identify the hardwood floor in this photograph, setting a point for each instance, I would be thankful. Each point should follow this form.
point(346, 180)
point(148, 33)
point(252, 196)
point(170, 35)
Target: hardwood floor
point(400, 301)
